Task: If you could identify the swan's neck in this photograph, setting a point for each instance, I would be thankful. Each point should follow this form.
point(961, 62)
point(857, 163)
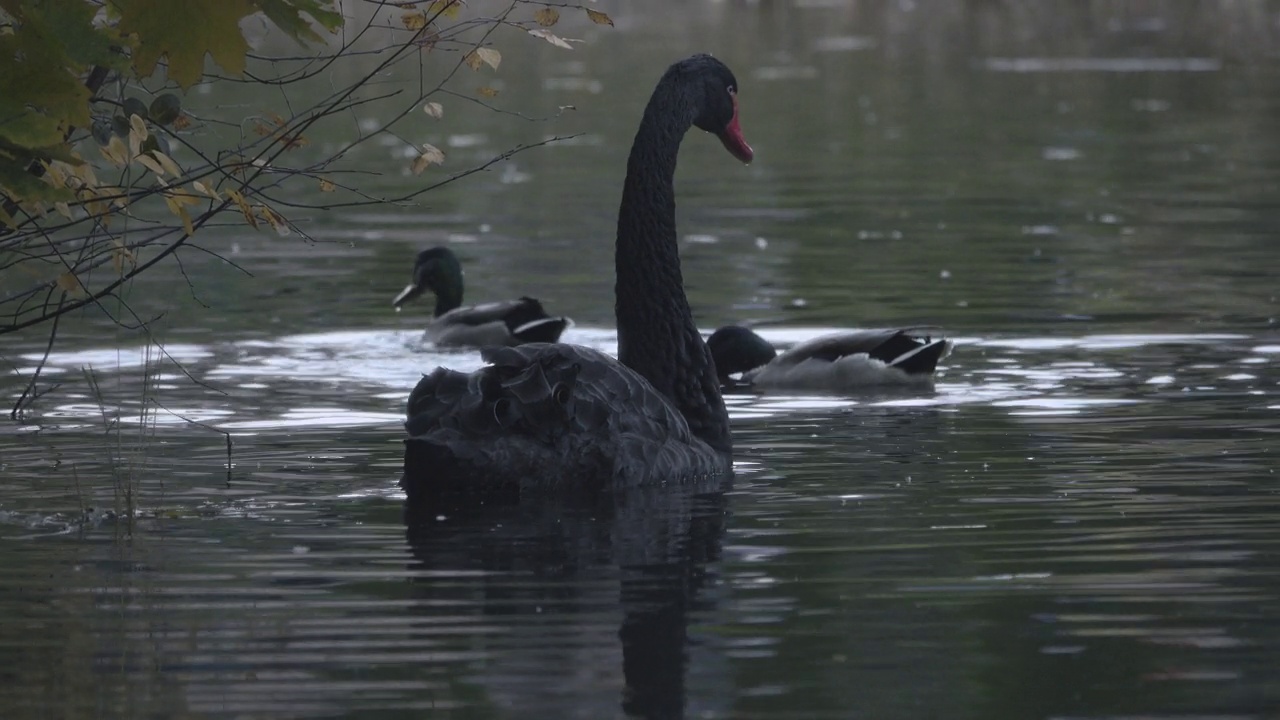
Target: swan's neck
point(656, 333)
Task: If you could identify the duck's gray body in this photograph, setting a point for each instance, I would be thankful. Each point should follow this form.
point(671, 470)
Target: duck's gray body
point(840, 362)
point(510, 322)
point(849, 361)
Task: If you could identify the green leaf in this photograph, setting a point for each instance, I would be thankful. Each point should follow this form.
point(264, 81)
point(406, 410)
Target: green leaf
point(289, 16)
point(24, 127)
point(17, 182)
point(35, 81)
point(68, 26)
point(134, 106)
point(185, 33)
point(165, 109)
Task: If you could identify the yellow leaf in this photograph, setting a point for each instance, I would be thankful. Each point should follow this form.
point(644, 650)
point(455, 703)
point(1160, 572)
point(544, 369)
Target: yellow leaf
point(116, 195)
point(434, 109)
point(238, 199)
point(546, 17)
point(487, 92)
point(176, 200)
point(139, 126)
point(98, 209)
point(181, 197)
point(431, 155)
point(54, 175)
point(598, 17)
point(414, 20)
point(553, 39)
point(149, 163)
point(167, 163)
point(120, 255)
point(70, 284)
point(448, 8)
point(275, 219)
point(326, 185)
point(183, 122)
point(186, 221)
point(490, 56)
point(485, 56)
point(205, 189)
point(62, 209)
point(84, 171)
point(426, 39)
point(116, 152)
point(137, 134)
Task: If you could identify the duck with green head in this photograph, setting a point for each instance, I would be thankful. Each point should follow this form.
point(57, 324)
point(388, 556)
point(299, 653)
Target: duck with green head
point(507, 322)
point(841, 362)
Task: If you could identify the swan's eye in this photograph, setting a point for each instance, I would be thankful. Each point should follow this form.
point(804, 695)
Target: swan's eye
point(733, 90)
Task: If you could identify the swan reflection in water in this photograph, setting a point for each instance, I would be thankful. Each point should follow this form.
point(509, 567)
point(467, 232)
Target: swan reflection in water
point(548, 566)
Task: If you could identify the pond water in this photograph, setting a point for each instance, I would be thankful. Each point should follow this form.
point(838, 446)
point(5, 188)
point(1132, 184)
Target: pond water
point(1080, 521)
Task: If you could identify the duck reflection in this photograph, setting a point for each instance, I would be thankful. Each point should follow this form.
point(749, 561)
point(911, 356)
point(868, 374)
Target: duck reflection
point(561, 569)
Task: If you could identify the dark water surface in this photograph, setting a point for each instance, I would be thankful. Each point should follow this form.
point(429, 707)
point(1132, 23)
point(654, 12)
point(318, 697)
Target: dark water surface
point(1082, 522)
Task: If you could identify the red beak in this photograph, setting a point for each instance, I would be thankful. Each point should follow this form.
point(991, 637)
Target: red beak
point(732, 138)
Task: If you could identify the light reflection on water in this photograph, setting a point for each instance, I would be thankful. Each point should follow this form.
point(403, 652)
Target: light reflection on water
point(1029, 375)
point(1079, 520)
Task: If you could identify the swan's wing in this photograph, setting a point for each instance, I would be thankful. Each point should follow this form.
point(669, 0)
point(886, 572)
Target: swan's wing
point(898, 348)
point(543, 414)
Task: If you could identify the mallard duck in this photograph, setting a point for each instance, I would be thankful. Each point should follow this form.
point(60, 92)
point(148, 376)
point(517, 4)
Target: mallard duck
point(841, 362)
point(555, 417)
point(509, 322)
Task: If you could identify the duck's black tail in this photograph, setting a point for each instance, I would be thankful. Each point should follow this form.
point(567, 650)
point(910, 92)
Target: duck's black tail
point(922, 359)
point(545, 330)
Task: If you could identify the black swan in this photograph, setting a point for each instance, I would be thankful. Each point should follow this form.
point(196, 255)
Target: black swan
point(509, 322)
point(544, 417)
point(842, 362)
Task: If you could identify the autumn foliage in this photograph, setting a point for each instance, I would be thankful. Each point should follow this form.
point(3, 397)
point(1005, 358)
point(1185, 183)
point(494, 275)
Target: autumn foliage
point(103, 177)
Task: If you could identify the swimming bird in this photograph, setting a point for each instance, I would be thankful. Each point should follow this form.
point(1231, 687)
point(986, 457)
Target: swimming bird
point(841, 362)
point(555, 417)
point(508, 322)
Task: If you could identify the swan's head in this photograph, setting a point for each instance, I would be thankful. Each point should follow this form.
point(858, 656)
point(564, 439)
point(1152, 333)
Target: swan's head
point(736, 349)
point(717, 102)
point(436, 270)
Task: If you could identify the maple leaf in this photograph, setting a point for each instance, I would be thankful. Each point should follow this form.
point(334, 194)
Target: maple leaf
point(291, 16)
point(206, 26)
point(186, 32)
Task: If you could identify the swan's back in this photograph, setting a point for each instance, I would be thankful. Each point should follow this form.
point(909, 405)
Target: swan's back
point(545, 417)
